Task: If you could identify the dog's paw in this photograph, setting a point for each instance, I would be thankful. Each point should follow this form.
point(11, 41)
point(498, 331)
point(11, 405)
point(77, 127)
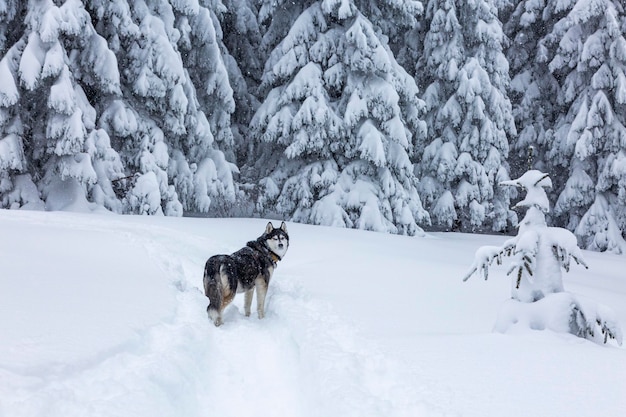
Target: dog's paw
point(261, 315)
point(247, 314)
point(215, 317)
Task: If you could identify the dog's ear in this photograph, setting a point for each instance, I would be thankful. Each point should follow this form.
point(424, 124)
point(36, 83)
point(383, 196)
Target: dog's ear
point(269, 227)
point(283, 227)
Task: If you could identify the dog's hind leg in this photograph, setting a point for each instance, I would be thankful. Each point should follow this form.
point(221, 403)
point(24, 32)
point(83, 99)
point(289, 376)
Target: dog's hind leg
point(213, 290)
point(214, 309)
point(248, 301)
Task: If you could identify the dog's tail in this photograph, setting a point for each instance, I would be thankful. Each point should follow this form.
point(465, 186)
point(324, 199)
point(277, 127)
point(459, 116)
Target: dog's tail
point(212, 288)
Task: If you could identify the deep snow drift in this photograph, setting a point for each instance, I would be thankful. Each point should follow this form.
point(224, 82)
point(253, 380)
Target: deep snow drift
point(102, 315)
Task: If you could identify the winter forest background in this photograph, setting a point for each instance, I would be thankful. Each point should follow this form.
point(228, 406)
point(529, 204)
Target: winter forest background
point(387, 115)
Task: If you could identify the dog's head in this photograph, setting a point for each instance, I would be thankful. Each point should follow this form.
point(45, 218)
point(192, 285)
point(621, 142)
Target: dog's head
point(277, 240)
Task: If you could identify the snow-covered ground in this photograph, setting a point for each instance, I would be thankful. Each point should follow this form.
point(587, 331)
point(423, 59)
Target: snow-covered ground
point(103, 315)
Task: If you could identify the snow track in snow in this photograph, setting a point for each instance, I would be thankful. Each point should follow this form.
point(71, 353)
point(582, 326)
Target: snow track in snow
point(301, 360)
point(295, 362)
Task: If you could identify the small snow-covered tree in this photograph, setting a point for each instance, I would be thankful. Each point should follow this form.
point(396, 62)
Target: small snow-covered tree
point(340, 121)
point(465, 75)
point(538, 254)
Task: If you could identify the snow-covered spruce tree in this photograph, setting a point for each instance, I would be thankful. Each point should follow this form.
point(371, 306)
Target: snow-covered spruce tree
point(164, 135)
point(137, 136)
point(464, 74)
point(538, 253)
point(208, 144)
point(51, 125)
point(589, 147)
point(204, 56)
point(533, 87)
point(338, 120)
point(14, 179)
point(242, 38)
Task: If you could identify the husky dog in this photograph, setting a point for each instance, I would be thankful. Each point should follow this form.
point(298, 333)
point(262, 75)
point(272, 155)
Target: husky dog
point(249, 268)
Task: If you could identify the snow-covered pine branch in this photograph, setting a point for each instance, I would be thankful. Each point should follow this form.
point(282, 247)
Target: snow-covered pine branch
point(485, 256)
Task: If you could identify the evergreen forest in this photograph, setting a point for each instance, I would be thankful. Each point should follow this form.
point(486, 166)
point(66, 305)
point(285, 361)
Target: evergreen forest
point(398, 116)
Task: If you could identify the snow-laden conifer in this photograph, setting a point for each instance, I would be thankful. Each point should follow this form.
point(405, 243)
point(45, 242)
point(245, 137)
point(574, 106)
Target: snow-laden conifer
point(469, 115)
point(538, 254)
point(208, 144)
point(175, 101)
point(340, 121)
point(44, 101)
point(14, 177)
point(533, 87)
point(244, 63)
point(590, 138)
point(115, 106)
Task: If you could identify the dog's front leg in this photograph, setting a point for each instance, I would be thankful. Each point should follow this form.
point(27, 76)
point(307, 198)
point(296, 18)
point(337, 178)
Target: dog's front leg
point(248, 301)
point(261, 291)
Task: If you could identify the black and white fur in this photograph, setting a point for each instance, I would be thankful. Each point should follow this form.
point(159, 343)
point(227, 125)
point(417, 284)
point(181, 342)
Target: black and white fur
point(250, 267)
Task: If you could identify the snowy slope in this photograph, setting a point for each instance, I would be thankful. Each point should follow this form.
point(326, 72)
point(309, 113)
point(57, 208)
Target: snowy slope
point(102, 315)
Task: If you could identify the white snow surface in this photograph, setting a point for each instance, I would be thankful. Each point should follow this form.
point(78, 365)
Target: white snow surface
point(103, 315)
